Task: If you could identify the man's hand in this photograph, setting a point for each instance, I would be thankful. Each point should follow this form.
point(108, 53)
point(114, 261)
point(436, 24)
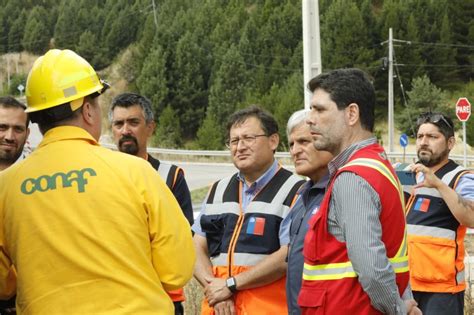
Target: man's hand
point(225, 307)
point(412, 307)
point(216, 290)
point(430, 179)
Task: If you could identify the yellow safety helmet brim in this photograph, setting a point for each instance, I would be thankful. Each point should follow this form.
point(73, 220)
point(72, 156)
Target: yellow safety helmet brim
point(59, 77)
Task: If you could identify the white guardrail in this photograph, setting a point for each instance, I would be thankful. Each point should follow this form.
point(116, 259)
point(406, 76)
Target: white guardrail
point(393, 155)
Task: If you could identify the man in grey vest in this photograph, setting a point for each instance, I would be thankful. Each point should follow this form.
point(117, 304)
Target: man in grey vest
point(132, 120)
point(313, 164)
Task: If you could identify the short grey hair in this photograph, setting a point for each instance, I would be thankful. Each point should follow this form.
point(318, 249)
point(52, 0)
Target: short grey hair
point(131, 99)
point(296, 119)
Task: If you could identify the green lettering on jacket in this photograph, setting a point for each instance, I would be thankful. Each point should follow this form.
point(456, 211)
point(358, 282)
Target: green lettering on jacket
point(51, 182)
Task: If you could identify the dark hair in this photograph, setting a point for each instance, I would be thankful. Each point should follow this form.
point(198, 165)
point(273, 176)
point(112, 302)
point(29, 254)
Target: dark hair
point(444, 123)
point(59, 115)
point(131, 99)
point(267, 122)
point(11, 102)
point(346, 86)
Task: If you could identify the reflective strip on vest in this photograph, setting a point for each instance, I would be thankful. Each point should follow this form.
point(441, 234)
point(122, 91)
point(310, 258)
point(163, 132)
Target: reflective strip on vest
point(238, 259)
point(343, 270)
point(163, 170)
point(227, 207)
point(267, 208)
point(423, 230)
point(447, 178)
point(220, 189)
point(460, 277)
point(382, 169)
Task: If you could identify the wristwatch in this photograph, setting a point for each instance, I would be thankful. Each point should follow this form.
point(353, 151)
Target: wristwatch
point(231, 284)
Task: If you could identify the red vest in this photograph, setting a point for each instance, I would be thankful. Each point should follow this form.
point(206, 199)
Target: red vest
point(330, 284)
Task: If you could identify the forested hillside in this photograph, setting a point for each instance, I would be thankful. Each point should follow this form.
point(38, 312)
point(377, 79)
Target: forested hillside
point(199, 60)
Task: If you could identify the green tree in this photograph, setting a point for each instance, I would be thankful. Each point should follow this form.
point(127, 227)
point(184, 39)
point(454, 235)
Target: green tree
point(168, 131)
point(36, 37)
point(86, 46)
point(423, 97)
point(440, 56)
point(67, 29)
point(190, 86)
point(16, 33)
point(345, 39)
point(462, 12)
point(209, 135)
point(152, 80)
point(228, 87)
point(16, 80)
point(124, 23)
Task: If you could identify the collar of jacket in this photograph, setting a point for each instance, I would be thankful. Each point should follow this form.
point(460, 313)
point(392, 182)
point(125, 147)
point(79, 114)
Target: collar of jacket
point(67, 133)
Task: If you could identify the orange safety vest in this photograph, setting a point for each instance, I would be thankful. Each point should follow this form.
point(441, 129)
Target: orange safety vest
point(436, 238)
point(330, 284)
point(239, 240)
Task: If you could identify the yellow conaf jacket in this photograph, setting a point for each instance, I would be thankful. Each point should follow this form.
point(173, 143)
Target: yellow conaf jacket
point(90, 231)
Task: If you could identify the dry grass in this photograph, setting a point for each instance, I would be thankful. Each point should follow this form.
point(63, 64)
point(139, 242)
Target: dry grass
point(194, 296)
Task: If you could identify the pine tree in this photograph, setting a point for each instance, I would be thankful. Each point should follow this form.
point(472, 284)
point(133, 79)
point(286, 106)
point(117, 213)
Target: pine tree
point(190, 86)
point(87, 46)
point(168, 131)
point(152, 81)
point(16, 33)
point(423, 97)
point(345, 38)
point(67, 29)
point(36, 37)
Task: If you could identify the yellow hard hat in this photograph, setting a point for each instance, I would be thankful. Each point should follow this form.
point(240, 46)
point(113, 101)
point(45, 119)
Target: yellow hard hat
point(59, 77)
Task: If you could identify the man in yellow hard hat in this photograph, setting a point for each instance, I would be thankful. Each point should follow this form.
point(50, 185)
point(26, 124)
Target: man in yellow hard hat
point(89, 230)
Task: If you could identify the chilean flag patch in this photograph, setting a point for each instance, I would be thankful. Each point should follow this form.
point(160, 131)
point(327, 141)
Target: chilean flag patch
point(422, 204)
point(256, 226)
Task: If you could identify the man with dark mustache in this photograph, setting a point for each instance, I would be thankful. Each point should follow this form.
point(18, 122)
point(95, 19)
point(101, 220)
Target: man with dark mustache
point(132, 120)
point(439, 210)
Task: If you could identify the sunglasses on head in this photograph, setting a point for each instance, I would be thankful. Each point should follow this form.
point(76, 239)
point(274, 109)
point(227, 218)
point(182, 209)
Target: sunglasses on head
point(433, 118)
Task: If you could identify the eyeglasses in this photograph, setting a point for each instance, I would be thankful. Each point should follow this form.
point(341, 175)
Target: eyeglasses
point(433, 118)
point(247, 141)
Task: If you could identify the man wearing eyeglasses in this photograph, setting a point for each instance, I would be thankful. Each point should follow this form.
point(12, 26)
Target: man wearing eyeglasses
point(240, 257)
point(439, 210)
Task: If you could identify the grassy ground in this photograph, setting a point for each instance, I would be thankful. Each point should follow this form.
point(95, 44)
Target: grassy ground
point(192, 290)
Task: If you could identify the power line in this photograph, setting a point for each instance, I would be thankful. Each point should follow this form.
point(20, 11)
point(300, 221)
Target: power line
point(432, 66)
point(410, 118)
point(409, 42)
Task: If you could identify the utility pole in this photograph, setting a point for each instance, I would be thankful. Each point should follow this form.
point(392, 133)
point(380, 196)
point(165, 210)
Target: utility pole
point(8, 71)
point(154, 14)
point(311, 45)
point(390, 91)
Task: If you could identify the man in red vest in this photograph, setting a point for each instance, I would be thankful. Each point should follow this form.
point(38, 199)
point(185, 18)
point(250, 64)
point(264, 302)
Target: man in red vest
point(355, 250)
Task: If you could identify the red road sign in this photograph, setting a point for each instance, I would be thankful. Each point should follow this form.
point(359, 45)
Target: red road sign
point(463, 109)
